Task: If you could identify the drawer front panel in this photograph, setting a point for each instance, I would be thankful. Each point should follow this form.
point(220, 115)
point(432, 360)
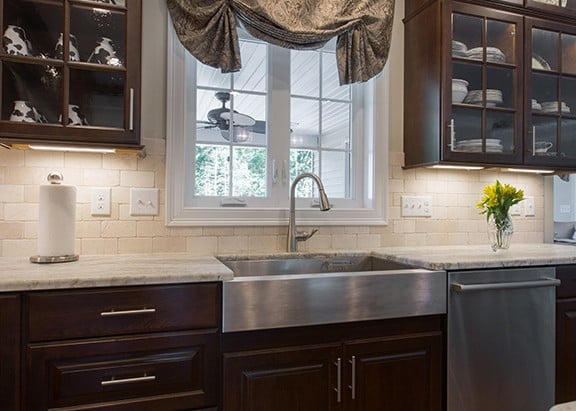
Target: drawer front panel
point(71, 374)
point(566, 274)
point(56, 315)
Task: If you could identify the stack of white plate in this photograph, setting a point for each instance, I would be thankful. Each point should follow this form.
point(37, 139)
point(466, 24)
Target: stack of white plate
point(459, 49)
point(493, 54)
point(493, 97)
point(535, 105)
point(552, 107)
point(493, 145)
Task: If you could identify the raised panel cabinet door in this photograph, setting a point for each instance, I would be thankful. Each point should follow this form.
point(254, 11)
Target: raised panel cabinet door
point(9, 352)
point(566, 350)
point(160, 372)
point(394, 374)
point(303, 378)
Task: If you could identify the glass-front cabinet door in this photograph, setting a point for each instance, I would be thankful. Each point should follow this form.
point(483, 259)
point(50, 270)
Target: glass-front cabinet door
point(551, 94)
point(484, 110)
point(70, 71)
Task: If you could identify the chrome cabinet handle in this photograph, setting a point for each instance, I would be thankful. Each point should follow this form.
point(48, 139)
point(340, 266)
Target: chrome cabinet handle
point(338, 389)
point(353, 385)
point(545, 282)
point(114, 313)
point(120, 381)
point(131, 125)
point(452, 134)
point(533, 140)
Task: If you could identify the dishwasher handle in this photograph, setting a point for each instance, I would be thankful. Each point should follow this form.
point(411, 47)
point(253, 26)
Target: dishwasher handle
point(544, 282)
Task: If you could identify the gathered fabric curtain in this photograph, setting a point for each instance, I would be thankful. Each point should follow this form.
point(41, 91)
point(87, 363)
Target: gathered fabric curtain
point(208, 30)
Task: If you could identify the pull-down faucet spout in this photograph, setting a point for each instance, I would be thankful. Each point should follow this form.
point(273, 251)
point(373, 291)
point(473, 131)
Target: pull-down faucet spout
point(293, 235)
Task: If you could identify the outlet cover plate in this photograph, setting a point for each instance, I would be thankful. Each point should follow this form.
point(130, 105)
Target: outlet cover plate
point(100, 201)
point(529, 207)
point(144, 201)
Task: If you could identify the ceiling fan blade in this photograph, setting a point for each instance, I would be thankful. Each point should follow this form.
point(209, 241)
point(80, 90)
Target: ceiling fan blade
point(259, 127)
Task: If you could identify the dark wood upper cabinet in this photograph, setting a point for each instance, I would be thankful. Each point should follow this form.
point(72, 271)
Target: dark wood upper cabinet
point(70, 72)
point(489, 84)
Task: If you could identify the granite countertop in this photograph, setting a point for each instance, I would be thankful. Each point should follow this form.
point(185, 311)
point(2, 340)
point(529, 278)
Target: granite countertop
point(18, 274)
point(480, 256)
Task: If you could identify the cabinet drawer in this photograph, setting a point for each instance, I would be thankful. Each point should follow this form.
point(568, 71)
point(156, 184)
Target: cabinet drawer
point(57, 315)
point(162, 372)
point(567, 275)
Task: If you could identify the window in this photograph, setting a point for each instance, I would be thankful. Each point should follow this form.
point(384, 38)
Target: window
point(237, 141)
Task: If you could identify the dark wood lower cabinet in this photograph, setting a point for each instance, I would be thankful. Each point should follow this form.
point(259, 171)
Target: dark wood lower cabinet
point(566, 334)
point(286, 379)
point(398, 372)
point(172, 371)
point(566, 350)
point(9, 352)
point(403, 374)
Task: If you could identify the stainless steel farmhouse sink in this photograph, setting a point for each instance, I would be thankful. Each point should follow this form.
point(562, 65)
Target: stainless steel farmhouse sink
point(314, 289)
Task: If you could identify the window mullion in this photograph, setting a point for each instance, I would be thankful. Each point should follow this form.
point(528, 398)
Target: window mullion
point(278, 121)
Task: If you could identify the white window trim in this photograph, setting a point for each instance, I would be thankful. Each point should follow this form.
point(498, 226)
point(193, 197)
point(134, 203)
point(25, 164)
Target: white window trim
point(178, 122)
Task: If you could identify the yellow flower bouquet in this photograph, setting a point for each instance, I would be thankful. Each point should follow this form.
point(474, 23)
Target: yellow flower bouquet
point(496, 203)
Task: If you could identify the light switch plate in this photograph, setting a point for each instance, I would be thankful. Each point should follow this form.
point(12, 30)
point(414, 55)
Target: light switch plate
point(100, 202)
point(529, 207)
point(416, 206)
point(144, 201)
point(515, 210)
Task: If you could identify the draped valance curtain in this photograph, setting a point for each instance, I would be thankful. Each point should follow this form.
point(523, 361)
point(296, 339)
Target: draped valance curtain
point(207, 29)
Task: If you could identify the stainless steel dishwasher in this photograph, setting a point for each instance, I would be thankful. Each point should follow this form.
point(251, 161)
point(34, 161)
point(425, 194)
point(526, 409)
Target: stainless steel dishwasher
point(501, 337)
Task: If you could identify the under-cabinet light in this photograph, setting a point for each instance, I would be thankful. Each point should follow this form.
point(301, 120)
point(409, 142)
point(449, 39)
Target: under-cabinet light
point(73, 149)
point(528, 170)
point(140, 152)
point(453, 167)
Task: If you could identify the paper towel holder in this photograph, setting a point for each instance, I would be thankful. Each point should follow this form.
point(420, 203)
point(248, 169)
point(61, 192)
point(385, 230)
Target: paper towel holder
point(54, 178)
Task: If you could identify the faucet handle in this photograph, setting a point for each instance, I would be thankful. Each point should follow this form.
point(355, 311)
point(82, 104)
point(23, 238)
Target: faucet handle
point(305, 235)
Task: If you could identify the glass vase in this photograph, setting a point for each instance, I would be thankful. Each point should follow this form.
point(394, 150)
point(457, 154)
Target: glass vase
point(500, 232)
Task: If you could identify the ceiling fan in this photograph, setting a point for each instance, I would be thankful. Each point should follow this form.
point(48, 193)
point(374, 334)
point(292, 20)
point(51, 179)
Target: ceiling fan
point(243, 124)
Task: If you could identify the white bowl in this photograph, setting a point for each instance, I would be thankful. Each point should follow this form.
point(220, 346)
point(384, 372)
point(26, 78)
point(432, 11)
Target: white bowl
point(459, 90)
point(458, 95)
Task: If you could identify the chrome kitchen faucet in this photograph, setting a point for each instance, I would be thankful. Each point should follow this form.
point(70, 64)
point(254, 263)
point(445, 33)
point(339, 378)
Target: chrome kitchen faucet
point(293, 235)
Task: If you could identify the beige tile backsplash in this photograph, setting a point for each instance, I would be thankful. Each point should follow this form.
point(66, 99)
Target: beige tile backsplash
point(455, 219)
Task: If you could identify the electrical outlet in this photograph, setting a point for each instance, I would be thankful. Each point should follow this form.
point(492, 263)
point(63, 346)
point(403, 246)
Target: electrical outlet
point(144, 201)
point(416, 206)
point(515, 210)
point(100, 204)
point(529, 207)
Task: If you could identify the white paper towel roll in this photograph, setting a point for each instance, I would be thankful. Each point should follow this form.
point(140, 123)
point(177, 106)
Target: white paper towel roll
point(56, 220)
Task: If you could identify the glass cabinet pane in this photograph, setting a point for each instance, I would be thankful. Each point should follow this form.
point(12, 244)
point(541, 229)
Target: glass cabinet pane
point(544, 136)
point(467, 36)
point(99, 97)
point(31, 28)
point(568, 138)
point(545, 49)
point(499, 131)
point(544, 92)
point(31, 93)
point(500, 41)
point(568, 53)
point(466, 130)
point(567, 95)
point(99, 35)
point(500, 87)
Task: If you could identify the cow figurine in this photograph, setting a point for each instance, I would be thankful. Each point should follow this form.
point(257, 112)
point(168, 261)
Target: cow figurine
point(105, 53)
point(24, 111)
point(73, 53)
point(15, 41)
point(75, 117)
